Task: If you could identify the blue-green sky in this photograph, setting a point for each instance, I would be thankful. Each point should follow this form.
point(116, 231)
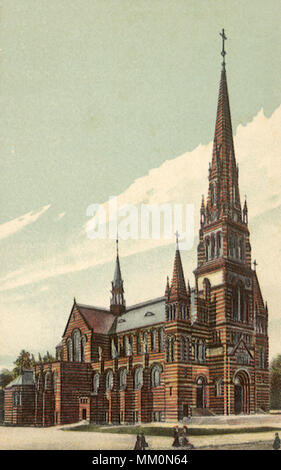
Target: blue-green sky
point(94, 94)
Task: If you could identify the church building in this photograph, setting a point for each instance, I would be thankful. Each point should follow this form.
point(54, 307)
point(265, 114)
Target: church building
point(199, 351)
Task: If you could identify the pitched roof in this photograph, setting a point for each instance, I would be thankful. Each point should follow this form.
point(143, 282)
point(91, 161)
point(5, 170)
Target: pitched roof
point(178, 288)
point(223, 167)
point(25, 378)
point(241, 341)
point(141, 315)
point(117, 280)
point(223, 129)
point(98, 319)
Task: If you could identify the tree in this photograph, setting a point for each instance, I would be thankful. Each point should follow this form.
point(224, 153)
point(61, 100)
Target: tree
point(6, 376)
point(275, 383)
point(25, 360)
point(48, 357)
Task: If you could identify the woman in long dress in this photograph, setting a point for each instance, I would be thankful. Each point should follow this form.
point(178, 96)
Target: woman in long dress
point(176, 442)
point(276, 443)
point(138, 445)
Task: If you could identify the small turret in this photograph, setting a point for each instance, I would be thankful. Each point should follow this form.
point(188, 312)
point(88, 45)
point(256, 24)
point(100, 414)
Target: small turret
point(245, 212)
point(203, 212)
point(117, 302)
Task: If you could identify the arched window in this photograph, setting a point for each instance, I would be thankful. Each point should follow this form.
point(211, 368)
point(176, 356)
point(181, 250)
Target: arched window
point(213, 246)
point(170, 349)
point(96, 383)
point(48, 380)
point(128, 346)
point(38, 381)
point(138, 378)
point(16, 399)
point(109, 381)
point(184, 348)
point(114, 352)
point(263, 358)
point(123, 379)
point(200, 351)
point(69, 349)
point(161, 339)
point(83, 346)
point(156, 376)
point(219, 244)
point(207, 288)
point(208, 248)
point(77, 346)
point(200, 380)
point(219, 387)
point(214, 193)
point(138, 343)
point(240, 249)
point(238, 303)
point(145, 342)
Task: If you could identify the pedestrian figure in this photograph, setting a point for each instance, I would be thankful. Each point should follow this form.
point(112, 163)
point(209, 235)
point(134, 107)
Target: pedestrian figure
point(182, 439)
point(276, 443)
point(138, 443)
point(144, 444)
point(176, 442)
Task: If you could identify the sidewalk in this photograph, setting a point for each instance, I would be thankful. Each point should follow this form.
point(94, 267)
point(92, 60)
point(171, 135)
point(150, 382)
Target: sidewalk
point(58, 439)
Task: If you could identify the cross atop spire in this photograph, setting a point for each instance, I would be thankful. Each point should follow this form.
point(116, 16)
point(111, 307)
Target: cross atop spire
point(224, 196)
point(223, 53)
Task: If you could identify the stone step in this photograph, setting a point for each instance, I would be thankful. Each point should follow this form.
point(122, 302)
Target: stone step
point(202, 412)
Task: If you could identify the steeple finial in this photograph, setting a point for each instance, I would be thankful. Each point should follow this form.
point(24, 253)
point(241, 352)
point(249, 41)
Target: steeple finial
point(117, 243)
point(223, 53)
point(223, 198)
point(177, 240)
point(117, 303)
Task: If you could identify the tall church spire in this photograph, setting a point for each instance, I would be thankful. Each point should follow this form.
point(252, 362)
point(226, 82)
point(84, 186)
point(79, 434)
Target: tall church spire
point(223, 230)
point(224, 199)
point(117, 302)
point(178, 290)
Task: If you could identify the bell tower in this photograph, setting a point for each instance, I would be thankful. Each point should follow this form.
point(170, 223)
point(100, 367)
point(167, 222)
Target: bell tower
point(224, 261)
point(223, 235)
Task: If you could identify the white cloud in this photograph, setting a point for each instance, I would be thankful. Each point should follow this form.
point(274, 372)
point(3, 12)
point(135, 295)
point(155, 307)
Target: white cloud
point(181, 180)
point(13, 226)
point(61, 215)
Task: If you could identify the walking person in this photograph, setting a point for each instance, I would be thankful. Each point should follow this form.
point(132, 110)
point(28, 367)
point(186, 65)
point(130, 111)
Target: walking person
point(176, 442)
point(144, 444)
point(138, 443)
point(276, 443)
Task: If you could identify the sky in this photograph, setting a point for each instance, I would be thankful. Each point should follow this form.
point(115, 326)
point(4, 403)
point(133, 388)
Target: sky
point(118, 98)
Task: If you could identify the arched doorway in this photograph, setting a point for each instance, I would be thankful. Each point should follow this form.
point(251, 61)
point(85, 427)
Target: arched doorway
point(200, 392)
point(241, 392)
